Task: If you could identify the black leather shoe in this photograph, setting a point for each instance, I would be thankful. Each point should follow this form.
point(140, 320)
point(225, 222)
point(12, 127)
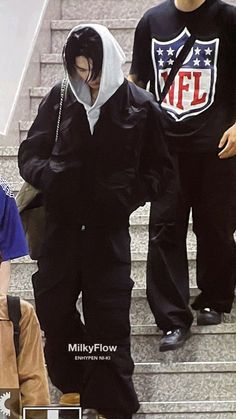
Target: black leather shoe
point(174, 339)
point(208, 317)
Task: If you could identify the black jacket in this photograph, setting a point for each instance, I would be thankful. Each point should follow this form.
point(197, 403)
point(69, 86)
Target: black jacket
point(97, 179)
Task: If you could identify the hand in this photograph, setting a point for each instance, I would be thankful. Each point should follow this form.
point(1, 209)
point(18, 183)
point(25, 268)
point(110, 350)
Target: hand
point(228, 141)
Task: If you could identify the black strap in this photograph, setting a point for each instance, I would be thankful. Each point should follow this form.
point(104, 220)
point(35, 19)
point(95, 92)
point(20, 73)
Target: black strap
point(13, 304)
point(176, 66)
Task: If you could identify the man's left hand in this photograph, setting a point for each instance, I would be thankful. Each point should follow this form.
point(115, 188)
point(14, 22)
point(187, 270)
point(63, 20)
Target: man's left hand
point(228, 141)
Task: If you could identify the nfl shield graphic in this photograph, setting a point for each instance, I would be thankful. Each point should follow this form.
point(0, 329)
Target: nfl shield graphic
point(193, 89)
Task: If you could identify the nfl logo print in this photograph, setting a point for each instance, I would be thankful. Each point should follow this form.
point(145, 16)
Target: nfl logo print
point(193, 88)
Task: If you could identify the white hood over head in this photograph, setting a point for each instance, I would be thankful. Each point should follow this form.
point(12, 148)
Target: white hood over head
point(112, 75)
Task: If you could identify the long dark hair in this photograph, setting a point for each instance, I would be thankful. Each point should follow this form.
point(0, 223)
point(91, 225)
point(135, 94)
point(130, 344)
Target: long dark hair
point(86, 42)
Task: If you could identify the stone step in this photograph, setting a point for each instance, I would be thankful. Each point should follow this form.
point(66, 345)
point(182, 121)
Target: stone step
point(188, 410)
point(52, 69)
point(24, 127)
point(21, 272)
point(36, 96)
point(105, 9)
point(142, 321)
point(178, 384)
point(208, 343)
point(181, 382)
point(203, 409)
point(162, 378)
point(121, 29)
point(23, 268)
point(162, 410)
point(139, 234)
point(139, 268)
point(9, 167)
point(141, 314)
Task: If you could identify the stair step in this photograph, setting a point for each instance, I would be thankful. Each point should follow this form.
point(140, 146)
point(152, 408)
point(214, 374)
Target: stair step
point(138, 270)
point(51, 69)
point(210, 384)
point(142, 255)
point(103, 9)
point(208, 343)
point(140, 312)
point(200, 381)
point(21, 273)
point(68, 24)
point(173, 410)
point(188, 410)
point(9, 167)
point(23, 270)
point(36, 96)
point(121, 29)
point(139, 234)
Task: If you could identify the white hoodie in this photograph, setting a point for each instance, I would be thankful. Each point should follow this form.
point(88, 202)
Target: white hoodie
point(112, 75)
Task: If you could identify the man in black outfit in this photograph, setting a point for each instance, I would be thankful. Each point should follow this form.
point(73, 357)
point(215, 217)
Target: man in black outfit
point(199, 116)
point(109, 158)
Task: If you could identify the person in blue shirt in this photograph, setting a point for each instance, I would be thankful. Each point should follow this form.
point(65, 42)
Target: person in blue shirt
point(12, 237)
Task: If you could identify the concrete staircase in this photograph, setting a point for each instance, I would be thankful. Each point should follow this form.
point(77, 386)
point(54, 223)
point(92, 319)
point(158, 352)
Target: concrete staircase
point(198, 381)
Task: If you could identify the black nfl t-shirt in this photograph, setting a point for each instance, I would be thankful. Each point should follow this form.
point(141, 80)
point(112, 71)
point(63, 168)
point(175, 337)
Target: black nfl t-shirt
point(200, 104)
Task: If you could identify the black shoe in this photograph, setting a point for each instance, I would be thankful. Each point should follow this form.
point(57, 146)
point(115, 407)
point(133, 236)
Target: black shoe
point(208, 317)
point(174, 339)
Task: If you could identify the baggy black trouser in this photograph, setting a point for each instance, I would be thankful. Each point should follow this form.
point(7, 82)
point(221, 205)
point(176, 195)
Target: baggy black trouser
point(96, 262)
point(207, 185)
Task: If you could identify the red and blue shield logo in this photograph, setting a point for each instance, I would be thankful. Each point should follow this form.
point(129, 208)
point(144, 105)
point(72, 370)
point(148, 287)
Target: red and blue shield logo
point(193, 89)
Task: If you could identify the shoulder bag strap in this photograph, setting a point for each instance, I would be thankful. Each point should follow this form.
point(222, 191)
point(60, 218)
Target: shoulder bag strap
point(176, 66)
point(13, 304)
point(63, 90)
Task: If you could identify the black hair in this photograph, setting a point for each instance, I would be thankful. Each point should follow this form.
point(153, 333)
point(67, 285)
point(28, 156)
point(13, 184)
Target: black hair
point(86, 42)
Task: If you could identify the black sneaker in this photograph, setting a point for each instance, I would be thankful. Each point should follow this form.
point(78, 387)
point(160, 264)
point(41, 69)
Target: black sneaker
point(208, 317)
point(174, 339)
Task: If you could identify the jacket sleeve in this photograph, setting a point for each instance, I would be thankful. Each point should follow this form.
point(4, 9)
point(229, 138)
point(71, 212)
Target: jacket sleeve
point(31, 365)
point(35, 151)
point(157, 166)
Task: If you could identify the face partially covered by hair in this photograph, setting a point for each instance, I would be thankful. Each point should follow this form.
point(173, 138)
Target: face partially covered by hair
point(84, 68)
point(85, 43)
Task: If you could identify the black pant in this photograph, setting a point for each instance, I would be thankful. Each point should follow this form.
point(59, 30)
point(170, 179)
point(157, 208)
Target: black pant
point(96, 262)
point(208, 186)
